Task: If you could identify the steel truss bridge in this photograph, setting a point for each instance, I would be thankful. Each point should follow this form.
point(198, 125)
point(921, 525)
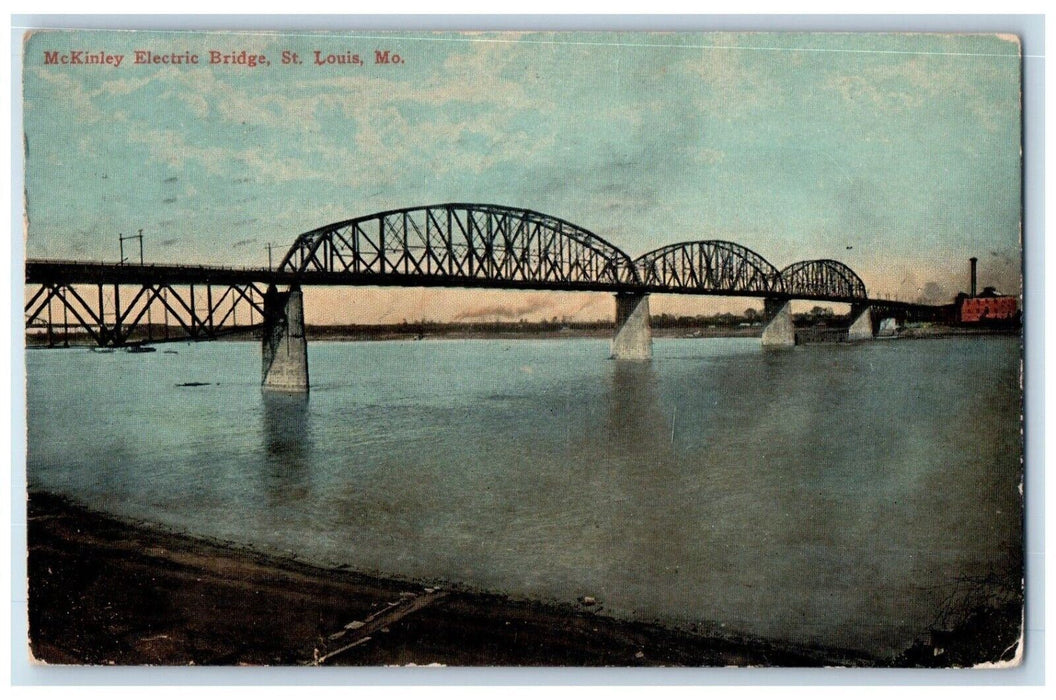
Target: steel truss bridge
point(443, 245)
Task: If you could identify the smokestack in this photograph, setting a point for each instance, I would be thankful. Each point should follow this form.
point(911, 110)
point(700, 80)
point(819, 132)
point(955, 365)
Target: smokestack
point(973, 261)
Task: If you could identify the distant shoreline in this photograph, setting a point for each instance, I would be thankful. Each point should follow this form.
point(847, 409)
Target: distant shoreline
point(388, 333)
point(324, 334)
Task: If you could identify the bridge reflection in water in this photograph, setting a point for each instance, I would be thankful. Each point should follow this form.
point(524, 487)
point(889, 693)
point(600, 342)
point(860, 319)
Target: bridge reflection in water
point(446, 245)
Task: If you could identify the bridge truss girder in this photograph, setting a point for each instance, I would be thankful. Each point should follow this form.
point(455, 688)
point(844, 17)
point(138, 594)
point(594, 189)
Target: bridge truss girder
point(708, 267)
point(823, 279)
point(112, 314)
point(478, 242)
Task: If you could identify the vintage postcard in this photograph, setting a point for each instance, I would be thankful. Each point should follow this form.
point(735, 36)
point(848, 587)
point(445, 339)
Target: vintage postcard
point(524, 349)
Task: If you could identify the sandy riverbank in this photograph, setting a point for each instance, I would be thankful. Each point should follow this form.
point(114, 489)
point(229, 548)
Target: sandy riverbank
point(103, 591)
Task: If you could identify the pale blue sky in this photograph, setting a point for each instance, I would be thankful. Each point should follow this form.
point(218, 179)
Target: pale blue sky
point(898, 154)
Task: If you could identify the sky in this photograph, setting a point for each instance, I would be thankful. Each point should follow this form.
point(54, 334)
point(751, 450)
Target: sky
point(898, 154)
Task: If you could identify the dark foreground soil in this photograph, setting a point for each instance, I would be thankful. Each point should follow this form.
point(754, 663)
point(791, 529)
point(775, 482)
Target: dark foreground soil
point(103, 591)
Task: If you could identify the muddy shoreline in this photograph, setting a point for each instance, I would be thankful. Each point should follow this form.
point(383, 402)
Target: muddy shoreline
point(105, 591)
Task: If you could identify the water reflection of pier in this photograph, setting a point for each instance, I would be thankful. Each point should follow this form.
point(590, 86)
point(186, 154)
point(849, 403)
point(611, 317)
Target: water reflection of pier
point(287, 446)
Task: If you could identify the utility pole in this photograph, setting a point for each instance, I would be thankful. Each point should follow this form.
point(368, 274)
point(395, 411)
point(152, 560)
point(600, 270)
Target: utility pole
point(269, 256)
point(121, 241)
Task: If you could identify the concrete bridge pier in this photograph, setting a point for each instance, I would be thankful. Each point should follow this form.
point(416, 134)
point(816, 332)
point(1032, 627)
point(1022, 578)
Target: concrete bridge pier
point(861, 323)
point(284, 349)
point(780, 331)
point(634, 335)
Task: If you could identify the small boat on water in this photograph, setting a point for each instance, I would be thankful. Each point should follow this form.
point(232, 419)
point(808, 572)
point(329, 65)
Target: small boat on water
point(104, 350)
point(141, 348)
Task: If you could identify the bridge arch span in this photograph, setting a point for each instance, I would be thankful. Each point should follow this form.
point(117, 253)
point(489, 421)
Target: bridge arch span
point(461, 244)
point(705, 267)
point(823, 279)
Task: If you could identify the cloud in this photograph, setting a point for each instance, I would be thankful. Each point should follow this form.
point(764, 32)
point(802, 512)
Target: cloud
point(70, 88)
point(709, 156)
point(173, 148)
point(57, 86)
point(981, 89)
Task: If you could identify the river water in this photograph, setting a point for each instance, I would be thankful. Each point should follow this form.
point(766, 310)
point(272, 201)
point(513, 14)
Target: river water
point(828, 495)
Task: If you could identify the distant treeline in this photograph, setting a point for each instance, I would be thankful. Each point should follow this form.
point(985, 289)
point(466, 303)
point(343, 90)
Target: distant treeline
point(438, 327)
point(723, 320)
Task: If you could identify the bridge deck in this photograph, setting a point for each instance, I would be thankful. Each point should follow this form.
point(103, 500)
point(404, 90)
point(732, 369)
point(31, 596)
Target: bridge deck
point(46, 272)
